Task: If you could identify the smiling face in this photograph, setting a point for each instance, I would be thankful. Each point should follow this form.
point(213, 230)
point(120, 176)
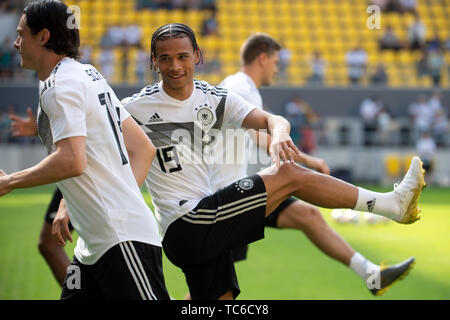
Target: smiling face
point(28, 45)
point(176, 59)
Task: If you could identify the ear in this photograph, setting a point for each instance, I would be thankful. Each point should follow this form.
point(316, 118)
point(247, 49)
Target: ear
point(262, 59)
point(197, 56)
point(44, 36)
point(155, 62)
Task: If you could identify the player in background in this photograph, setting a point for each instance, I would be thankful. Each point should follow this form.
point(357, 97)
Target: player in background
point(51, 250)
point(259, 59)
point(98, 157)
point(199, 225)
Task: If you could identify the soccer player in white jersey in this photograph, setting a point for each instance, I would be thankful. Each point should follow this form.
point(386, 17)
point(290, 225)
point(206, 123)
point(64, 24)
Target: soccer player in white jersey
point(259, 58)
point(92, 144)
point(200, 226)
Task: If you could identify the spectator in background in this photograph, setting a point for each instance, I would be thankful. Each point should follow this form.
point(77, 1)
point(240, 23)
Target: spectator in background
point(211, 62)
point(132, 34)
point(125, 61)
point(209, 26)
point(434, 43)
point(318, 66)
point(369, 111)
point(447, 44)
point(422, 113)
point(142, 60)
point(108, 40)
point(106, 63)
point(417, 34)
point(390, 40)
point(436, 100)
point(393, 6)
point(435, 65)
point(302, 119)
point(285, 56)
point(409, 6)
point(214, 65)
point(7, 59)
point(208, 4)
point(441, 124)
point(117, 35)
point(12, 5)
point(441, 128)
point(356, 63)
point(380, 76)
point(162, 4)
point(86, 54)
point(379, 3)
point(426, 149)
point(386, 126)
point(422, 65)
point(4, 127)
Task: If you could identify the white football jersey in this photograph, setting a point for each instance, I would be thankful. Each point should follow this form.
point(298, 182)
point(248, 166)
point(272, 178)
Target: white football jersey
point(253, 158)
point(105, 203)
point(186, 134)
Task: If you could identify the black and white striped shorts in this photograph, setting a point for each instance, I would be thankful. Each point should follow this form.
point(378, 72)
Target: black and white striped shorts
point(130, 270)
point(197, 241)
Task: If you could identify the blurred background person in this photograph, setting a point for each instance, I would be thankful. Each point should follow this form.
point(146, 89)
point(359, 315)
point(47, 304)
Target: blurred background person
point(369, 111)
point(302, 119)
point(318, 65)
point(379, 77)
point(356, 63)
point(417, 34)
point(426, 149)
point(389, 40)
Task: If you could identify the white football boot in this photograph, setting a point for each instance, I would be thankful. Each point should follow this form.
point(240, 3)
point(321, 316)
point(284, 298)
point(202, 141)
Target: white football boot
point(407, 193)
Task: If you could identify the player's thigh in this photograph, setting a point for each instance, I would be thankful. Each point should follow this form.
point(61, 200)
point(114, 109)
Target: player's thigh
point(298, 215)
point(280, 183)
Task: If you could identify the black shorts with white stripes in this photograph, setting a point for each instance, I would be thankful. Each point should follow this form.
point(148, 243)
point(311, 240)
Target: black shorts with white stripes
point(200, 242)
point(130, 270)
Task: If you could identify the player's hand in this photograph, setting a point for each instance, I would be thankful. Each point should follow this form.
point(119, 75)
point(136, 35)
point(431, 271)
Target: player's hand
point(21, 127)
point(4, 183)
point(60, 226)
point(314, 163)
point(283, 149)
point(321, 166)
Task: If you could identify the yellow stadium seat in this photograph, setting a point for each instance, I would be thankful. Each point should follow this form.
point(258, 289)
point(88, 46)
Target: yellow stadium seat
point(407, 161)
point(393, 165)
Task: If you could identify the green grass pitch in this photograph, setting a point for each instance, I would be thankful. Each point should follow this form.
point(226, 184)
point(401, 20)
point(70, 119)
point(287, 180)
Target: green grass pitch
point(284, 265)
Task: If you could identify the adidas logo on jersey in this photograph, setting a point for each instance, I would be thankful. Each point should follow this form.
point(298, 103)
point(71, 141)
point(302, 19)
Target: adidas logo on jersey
point(155, 118)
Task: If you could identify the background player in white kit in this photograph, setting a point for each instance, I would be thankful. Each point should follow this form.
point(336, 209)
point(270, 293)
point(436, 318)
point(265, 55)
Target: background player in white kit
point(199, 225)
point(80, 121)
point(259, 58)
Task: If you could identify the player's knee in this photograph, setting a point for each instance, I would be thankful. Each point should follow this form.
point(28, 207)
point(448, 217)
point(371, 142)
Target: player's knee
point(291, 172)
point(47, 246)
point(308, 218)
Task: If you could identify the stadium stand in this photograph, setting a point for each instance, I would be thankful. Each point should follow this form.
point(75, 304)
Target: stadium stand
point(330, 27)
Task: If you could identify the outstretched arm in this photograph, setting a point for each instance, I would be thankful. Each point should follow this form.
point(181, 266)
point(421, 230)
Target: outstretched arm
point(281, 147)
point(69, 160)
